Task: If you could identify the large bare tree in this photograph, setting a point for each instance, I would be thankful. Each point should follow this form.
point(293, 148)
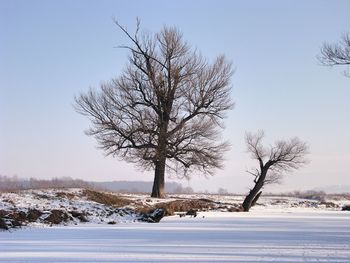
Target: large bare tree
point(274, 161)
point(165, 110)
point(337, 54)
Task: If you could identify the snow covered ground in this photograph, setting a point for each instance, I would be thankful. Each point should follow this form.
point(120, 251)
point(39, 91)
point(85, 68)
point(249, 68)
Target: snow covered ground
point(300, 235)
point(278, 229)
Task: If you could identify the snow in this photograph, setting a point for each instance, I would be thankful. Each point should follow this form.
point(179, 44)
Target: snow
point(278, 229)
point(275, 235)
point(47, 199)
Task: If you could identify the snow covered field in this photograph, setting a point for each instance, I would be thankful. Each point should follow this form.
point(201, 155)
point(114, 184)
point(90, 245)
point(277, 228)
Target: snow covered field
point(303, 235)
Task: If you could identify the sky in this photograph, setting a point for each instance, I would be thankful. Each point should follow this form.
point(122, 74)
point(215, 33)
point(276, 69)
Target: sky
point(51, 51)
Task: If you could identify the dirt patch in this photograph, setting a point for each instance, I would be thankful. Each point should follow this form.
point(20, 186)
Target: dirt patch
point(33, 215)
point(79, 215)
point(18, 216)
point(329, 204)
point(57, 216)
point(3, 224)
point(11, 219)
point(106, 199)
point(4, 213)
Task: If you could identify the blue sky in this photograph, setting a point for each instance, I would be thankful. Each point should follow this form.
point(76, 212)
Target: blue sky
point(51, 51)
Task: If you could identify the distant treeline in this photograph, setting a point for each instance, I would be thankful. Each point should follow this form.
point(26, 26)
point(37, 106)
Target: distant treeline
point(14, 183)
point(311, 195)
point(141, 187)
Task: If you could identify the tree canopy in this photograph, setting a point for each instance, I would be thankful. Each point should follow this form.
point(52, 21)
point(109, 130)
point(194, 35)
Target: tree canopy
point(165, 110)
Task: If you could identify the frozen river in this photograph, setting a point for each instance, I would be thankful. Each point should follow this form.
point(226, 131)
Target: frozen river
point(299, 236)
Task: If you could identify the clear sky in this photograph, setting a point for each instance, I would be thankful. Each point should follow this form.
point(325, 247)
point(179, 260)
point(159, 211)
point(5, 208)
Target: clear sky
point(51, 51)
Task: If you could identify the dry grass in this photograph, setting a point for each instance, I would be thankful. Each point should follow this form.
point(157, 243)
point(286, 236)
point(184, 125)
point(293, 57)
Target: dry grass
point(186, 205)
point(106, 199)
point(65, 195)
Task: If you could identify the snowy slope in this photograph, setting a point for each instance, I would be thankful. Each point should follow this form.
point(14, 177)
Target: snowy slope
point(278, 229)
point(77, 206)
point(69, 202)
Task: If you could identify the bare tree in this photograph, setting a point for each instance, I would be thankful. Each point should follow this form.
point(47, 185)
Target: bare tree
point(165, 111)
point(274, 161)
point(336, 54)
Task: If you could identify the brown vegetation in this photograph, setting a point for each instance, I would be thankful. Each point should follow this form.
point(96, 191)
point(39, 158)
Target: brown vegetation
point(106, 198)
point(57, 217)
point(186, 205)
point(33, 215)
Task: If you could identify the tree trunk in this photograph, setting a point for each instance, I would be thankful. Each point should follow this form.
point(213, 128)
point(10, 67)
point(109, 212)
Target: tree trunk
point(256, 198)
point(247, 203)
point(255, 193)
point(158, 190)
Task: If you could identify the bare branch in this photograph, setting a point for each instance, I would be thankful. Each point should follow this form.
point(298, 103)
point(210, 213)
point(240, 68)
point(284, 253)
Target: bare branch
point(165, 109)
point(255, 147)
point(284, 156)
point(336, 54)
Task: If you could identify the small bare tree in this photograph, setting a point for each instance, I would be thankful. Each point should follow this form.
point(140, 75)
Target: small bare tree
point(165, 110)
point(336, 54)
point(274, 161)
